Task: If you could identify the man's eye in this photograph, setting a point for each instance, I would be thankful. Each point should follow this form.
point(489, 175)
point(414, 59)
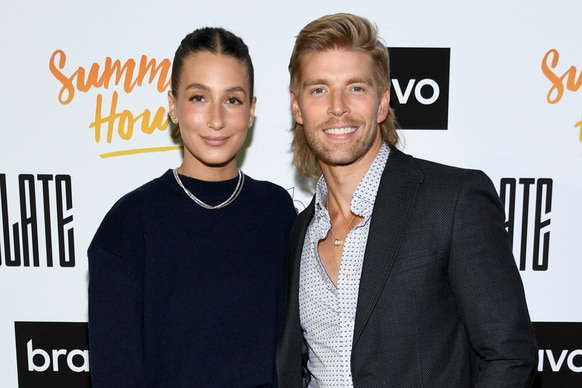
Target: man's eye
point(358, 89)
point(317, 90)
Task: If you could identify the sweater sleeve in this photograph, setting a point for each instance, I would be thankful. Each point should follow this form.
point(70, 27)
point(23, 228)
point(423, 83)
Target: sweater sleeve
point(115, 308)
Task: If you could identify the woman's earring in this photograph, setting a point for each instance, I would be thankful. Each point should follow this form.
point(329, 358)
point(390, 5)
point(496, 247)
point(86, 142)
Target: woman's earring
point(251, 121)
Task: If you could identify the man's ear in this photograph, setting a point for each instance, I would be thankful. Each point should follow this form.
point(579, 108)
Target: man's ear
point(295, 110)
point(384, 105)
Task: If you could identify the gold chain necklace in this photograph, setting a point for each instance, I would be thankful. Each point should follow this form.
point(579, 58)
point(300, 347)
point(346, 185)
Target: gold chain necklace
point(337, 241)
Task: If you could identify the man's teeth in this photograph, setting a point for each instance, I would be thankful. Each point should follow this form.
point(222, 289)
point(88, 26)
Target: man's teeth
point(340, 131)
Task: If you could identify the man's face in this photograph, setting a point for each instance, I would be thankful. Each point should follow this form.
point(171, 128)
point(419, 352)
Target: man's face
point(339, 103)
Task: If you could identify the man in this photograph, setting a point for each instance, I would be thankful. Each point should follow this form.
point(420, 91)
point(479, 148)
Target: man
point(400, 270)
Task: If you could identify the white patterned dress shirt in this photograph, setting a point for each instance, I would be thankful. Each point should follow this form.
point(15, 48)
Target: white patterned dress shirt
point(328, 311)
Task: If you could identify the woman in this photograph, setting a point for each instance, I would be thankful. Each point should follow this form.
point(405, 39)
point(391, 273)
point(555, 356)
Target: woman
point(187, 272)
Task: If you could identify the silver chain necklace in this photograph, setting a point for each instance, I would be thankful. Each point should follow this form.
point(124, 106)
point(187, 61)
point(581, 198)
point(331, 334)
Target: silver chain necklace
point(237, 190)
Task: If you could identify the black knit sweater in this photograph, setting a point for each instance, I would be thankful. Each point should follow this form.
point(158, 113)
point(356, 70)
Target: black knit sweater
point(182, 296)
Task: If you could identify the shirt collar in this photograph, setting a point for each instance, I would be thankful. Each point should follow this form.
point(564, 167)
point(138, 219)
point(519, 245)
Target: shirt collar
point(365, 194)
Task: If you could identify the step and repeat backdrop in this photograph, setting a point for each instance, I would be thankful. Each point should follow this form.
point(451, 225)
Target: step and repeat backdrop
point(492, 85)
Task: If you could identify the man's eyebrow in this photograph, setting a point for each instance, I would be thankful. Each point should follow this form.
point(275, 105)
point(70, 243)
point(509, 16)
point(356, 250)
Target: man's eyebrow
point(361, 80)
point(316, 81)
point(354, 80)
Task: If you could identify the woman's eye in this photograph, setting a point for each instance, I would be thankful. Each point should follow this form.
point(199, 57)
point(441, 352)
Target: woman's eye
point(197, 98)
point(234, 101)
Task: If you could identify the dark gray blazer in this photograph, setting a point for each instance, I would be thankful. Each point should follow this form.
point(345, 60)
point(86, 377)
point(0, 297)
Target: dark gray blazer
point(441, 302)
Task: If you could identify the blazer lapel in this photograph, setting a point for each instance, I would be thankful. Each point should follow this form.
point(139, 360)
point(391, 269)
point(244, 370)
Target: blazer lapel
point(395, 198)
point(295, 248)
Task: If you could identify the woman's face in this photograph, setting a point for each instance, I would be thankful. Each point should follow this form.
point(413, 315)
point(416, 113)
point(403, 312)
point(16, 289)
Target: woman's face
point(214, 109)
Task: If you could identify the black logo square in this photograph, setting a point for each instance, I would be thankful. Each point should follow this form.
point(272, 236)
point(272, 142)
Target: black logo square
point(52, 354)
point(560, 354)
point(420, 87)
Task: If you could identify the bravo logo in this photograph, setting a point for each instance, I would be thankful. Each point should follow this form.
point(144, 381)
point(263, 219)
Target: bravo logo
point(52, 354)
point(404, 96)
point(77, 360)
point(571, 359)
point(420, 87)
point(559, 354)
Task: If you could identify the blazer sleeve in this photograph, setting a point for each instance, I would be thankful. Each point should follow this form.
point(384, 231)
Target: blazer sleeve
point(488, 288)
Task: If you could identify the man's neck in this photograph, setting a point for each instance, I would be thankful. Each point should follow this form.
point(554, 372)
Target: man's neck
point(342, 181)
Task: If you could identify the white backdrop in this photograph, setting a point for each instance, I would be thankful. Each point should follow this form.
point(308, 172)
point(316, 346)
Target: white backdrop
point(506, 117)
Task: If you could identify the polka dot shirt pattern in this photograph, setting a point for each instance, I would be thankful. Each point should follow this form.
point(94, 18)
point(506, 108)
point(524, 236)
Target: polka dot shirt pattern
point(328, 311)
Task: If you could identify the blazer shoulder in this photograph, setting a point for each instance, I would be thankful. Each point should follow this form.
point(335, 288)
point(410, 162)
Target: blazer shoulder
point(432, 169)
